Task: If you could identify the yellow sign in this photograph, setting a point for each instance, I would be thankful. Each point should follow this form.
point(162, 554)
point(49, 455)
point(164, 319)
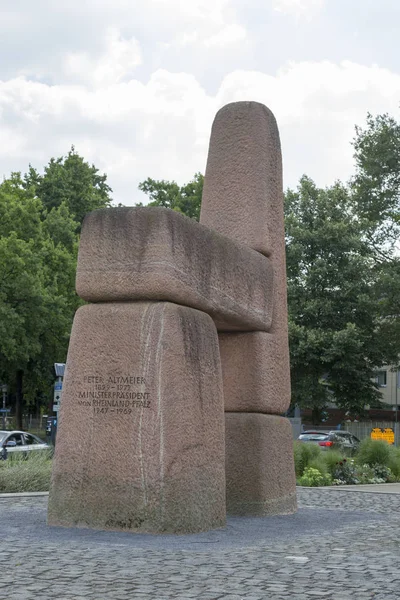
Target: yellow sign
point(376, 433)
point(383, 434)
point(388, 435)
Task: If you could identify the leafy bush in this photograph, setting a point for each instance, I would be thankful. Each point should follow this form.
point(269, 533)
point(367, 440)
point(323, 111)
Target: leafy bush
point(373, 452)
point(303, 455)
point(345, 473)
point(331, 459)
point(375, 462)
point(382, 472)
point(25, 473)
point(374, 474)
point(366, 474)
point(394, 461)
point(314, 478)
point(319, 464)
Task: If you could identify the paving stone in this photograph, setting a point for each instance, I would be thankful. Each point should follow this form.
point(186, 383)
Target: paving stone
point(355, 556)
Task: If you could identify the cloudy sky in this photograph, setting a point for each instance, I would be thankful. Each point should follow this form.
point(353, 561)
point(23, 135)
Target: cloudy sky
point(135, 84)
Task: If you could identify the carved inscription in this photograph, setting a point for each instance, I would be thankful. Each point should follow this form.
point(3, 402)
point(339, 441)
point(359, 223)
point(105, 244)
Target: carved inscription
point(113, 394)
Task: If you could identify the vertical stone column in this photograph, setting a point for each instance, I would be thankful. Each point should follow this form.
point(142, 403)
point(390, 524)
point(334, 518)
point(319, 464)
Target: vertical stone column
point(243, 199)
point(140, 445)
point(260, 478)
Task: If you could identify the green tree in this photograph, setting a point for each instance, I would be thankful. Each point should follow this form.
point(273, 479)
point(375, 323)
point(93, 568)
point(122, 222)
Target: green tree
point(38, 252)
point(376, 184)
point(388, 299)
point(376, 193)
point(185, 199)
point(70, 181)
point(336, 329)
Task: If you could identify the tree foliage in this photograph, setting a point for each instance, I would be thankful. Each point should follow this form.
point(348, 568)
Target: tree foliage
point(40, 218)
point(185, 199)
point(376, 184)
point(336, 309)
point(376, 193)
point(70, 181)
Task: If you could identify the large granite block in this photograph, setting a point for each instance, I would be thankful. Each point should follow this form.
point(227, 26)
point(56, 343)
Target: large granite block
point(260, 477)
point(140, 444)
point(158, 254)
point(256, 372)
point(243, 199)
point(242, 195)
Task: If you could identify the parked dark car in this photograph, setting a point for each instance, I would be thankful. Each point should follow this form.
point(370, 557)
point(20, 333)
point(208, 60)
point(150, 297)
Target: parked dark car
point(350, 442)
point(344, 441)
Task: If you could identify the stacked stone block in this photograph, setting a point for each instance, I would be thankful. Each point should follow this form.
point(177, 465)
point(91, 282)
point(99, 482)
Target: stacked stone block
point(243, 200)
point(141, 437)
point(158, 254)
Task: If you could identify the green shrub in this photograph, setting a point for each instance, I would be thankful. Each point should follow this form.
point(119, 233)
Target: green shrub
point(383, 473)
point(345, 473)
point(25, 473)
point(366, 474)
point(373, 452)
point(303, 454)
point(314, 478)
point(394, 461)
point(319, 464)
point(331, 458)
point(374, 474)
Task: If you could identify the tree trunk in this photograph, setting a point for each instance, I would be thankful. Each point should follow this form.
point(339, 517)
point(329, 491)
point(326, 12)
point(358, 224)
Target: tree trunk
point(19, 398)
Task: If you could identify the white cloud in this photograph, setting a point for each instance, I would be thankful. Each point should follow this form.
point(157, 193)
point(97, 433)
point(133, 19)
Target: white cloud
point(230, 34)
point(227, 36)
point(135, 85)
point(118, 61)
point(317, 105)
point(97, 41)
point(204, 24)
point(134, 130)
point(299, 8)
point(210, 10)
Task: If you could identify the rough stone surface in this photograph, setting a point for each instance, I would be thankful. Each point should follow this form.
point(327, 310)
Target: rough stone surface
point(242, 195)
point(255, 373)
point(140, 444)
point(260, 477)
point(243, 199)
point(158, 254)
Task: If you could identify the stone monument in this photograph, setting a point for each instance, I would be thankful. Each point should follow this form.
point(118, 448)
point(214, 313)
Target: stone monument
point(185, 321)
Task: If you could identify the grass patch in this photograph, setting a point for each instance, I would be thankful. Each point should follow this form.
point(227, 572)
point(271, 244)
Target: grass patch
point(30, 473)
point(373, 452)
point(331, 460)
point(394, 461)
point(319, 463)
point(303, 455)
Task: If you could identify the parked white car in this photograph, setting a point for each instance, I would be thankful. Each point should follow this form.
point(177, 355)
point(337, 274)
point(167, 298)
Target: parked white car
point(21, 441)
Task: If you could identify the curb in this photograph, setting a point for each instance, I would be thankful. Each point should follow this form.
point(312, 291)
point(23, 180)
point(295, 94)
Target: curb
point(366, 488)
point(23, 495)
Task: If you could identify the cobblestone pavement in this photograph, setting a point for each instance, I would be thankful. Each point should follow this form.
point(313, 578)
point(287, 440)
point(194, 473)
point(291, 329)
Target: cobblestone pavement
point(340, 545)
